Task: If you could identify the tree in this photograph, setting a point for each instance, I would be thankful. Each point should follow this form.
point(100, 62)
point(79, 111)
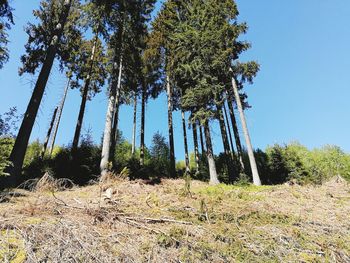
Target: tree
point(160, 154)
point(6, 19)
point(187, 157)
point(91, 66)
point(195, 144)
point(225, 142)
point(253, 166)
point(127, 44)
point(59, 115)
point(47, 41)
point(49, 133)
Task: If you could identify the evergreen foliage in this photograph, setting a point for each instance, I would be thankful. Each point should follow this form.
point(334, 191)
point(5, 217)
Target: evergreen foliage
point(6, 20)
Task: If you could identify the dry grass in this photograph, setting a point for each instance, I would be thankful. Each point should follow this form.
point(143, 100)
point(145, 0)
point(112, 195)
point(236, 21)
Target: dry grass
point(122, 221)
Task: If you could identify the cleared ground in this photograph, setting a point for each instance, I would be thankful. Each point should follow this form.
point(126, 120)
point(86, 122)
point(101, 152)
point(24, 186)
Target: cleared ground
point(122, 221)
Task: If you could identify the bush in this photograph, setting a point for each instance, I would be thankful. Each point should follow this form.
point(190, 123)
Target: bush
point(6, 144)
point(295, 162)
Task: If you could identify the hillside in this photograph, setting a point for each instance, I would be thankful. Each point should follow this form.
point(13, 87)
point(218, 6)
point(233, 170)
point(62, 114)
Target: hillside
point(141, 222)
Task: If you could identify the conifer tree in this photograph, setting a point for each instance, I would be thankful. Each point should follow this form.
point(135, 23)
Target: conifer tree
point(47, 40)
point(90, 63)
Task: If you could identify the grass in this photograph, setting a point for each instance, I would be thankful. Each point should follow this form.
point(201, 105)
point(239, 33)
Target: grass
point(145, 223)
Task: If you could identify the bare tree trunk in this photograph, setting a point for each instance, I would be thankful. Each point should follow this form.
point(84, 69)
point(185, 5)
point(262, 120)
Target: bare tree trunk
point(210, 156)
point(187, 161)
point(195, 143)
point(60, 111)
point(229, 131)
point(49, 133)
point(107, 137)
point(236, 134)
point(225, 142)
point(202, 140)
point(143, 111)
point(253, 166)
point(84, 99)
point(133, 146)
point(20, 147)
point(171, 130)
point(116, 113)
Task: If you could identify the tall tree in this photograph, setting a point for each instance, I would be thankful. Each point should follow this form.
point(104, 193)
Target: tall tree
point(59, 115)
point(225, 142)
point(133, 148)
point(91, 70)
point(6, 19)
point(195, 144)
point(236, 134)
point(171, 128)
point(227, 123)
point(49, 132)
point(253, 166)
point(46, 41)
point(184, 129)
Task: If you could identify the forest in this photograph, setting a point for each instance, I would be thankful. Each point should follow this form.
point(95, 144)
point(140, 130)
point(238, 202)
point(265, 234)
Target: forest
point(191, 52)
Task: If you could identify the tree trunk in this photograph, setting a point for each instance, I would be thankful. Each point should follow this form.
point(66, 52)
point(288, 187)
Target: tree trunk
point(236, 134)
point(143, 111)
point(225, 142)
point(201, 139)
point(115, 128)
point(187, 161)
point(60, 110)
point(133, 148)
point(20, 147)
point(171, 130)
point(195, 143)
point(210, 156)
point(253, 166)
point(108, 132)
point(49, 133)
point(229, 131)
point(84, 99)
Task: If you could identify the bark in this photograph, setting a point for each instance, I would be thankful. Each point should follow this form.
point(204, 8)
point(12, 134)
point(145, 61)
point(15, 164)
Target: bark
point(236, 134)
point(107, 137)
point(171, 130)
point(142, 144)
point(253, 166)
point(229, 131)
point(84, 99)
point(210, 156)
point(225, 142)
point(187, 161)
point(116, 115)
point(49, 133)
point(20, 147)
point(133, 148)
point(195, 143)
point(115, 126)
point(60, 111)
point(201, 139)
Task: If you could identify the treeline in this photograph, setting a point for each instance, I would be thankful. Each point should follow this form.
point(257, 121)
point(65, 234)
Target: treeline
point(190, 51)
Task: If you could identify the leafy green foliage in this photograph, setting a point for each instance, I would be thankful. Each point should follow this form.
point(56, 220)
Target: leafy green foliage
point(6, 144)
point(294, 162)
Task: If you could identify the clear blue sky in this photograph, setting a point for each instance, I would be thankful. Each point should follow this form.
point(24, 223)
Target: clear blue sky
point(301, 93)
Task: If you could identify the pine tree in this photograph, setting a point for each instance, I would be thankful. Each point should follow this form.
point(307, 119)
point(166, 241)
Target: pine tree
point(6, 20)
point(48, 39)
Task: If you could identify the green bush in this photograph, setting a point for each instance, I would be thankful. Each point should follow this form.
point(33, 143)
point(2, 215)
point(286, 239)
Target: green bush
point(295, 162)
point(6, 144)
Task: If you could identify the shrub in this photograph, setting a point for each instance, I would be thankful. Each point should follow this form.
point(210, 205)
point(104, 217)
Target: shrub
point(6, 144)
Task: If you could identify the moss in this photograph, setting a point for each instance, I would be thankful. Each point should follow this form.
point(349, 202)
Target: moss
point(11, 247)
